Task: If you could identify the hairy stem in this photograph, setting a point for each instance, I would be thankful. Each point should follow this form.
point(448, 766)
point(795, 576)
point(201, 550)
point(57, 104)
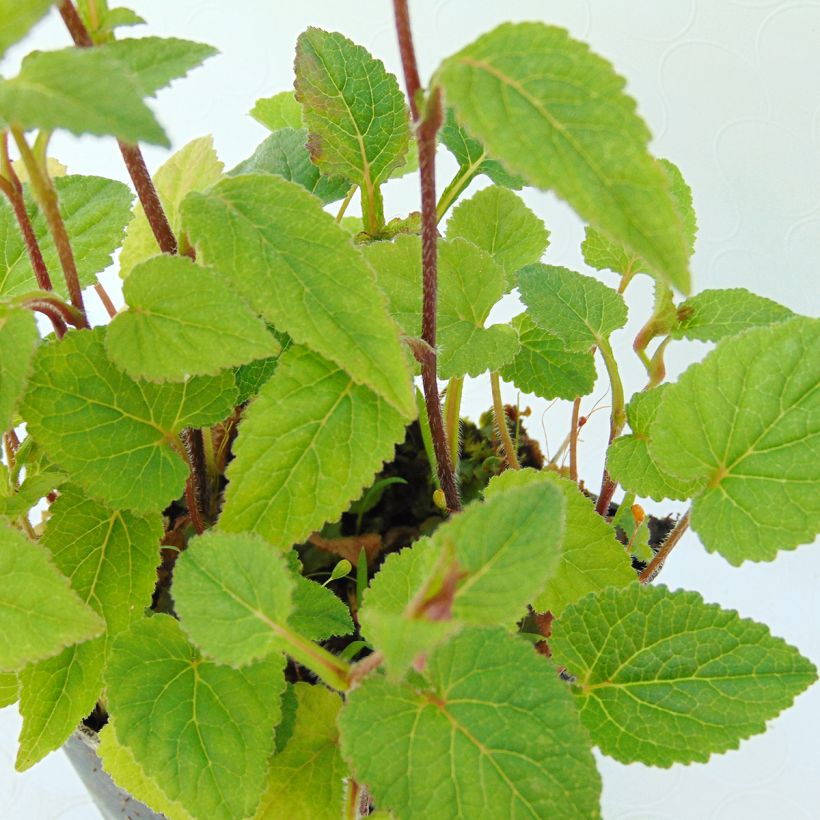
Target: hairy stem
point(573, 440)
point(656, 564)
point(501, 423)
point(426, 129)
point(57, 322)
point(46, 198)
point(109, 306)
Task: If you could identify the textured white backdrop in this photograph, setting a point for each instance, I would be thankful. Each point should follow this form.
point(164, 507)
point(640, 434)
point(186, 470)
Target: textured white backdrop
point(731, 92)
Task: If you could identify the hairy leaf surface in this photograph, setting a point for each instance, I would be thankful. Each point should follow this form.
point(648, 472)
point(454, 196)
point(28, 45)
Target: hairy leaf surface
point(274, 243)
point(491, 730)
point(105, 429)
point(83, 90)
point(39, 612)
point(751, 415)
point(18, 340)
point(202, 730)
point(664, 678)
point(525, 86)
point(287, 479)
point(183, 320)
point(545, 366)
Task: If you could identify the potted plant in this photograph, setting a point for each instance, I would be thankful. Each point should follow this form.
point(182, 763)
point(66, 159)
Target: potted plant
point(248, 576)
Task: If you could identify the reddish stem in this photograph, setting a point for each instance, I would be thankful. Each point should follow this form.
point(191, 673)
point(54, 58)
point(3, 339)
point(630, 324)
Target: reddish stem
point(53, 314)
point(408, 55)
point(110, 307)
point(656, 564)
point(573, 441)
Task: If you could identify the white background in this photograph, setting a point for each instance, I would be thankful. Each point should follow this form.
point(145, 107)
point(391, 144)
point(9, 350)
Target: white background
point(731, 91)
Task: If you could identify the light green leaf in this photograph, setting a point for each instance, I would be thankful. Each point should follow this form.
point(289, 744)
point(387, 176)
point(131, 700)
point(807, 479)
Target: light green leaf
point(604, 253)
point(492, 732)
point(305, 779)
point(17, 18)
point(194, 167)
point(353, 108)
point(591, 557)
point(153, 62)
point(83, 90)
point(744, 425)
point(39, 612)
point(497, 221)
point(664, 678)
point(105, 429)
point(470, 283)
point(471, 155)
point(317, 613)
point(278, 248)
point(630, 460)
point(251, 376)
point(525, 86)
point(202, 730)
point(121, 765)
point(714, 314)
point(502, 550)
point(233, 593)
point(18, 341)
point(578, 309)
point(95, 211)
point(282, 110)
point(183, 320)
point(111, 559)
point(545, 366)
point(287, 479)
point(285, 154)
point(9, 689)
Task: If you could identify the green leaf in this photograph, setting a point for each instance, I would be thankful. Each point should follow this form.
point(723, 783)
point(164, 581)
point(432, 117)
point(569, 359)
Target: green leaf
point(9, 689)
point(744, 425)
point(714, 314)
point(305, 779)
point(251, 376)
point(202, 730)
point(233, 594)
point(153, 62)
point(470, 283)
point(664, 678)
point(17, 18)
point(353, 108)
point(471, 155)
point(194, 167)
point(83, 90)
point(39, 612)
point(545, 367)
point(111, 559)
point(491, 732)
point(35, 487)
point(604, 253)
point(95, 211)
point(117, 437)
point(630, 459)
point(503, 551)
point(282, 110)
point(525, 86)
point(591, 557)
point(18, 341)
point(287, 479)
point(120, 763)
point(497, 221)
point(318, 614)
point(183, 320)
point(578, 309)
point(279, 249)
point(285, 154)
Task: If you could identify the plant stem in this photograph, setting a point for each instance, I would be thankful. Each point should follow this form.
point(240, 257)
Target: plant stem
point(332, 670)
point(131, 154)
point(11, 186)
point(460, 181)
point(46, 197)
point(617, 421)
point(426, 129)
point(452, 411)
point(346, 202)
point(501, 423)
point(573, 441)
point(352, 800)
point(109, 306)
point(656, 564)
